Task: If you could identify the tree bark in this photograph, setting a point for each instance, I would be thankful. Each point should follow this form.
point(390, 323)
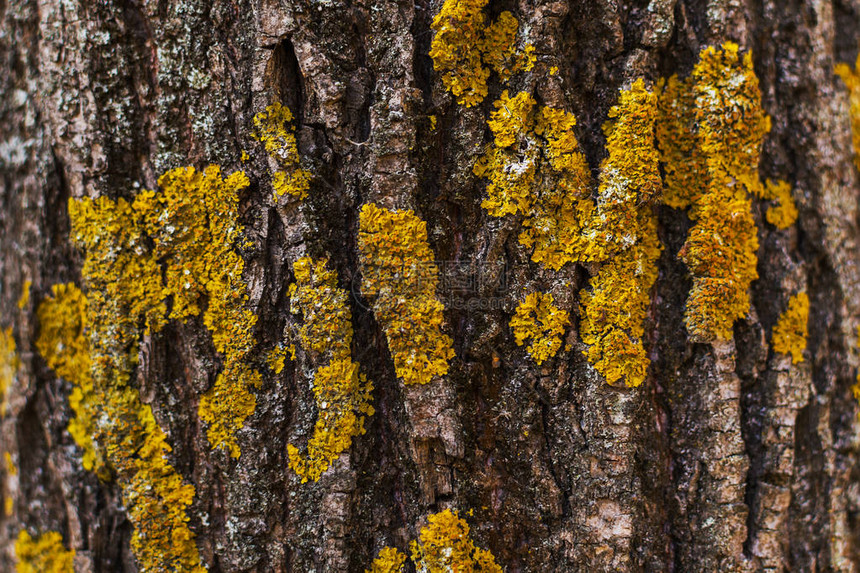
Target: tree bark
point(728, 458)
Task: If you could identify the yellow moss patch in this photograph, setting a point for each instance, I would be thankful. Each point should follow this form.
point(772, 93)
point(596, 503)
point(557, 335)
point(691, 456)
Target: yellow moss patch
point(64, 345)
point(790, 332)
point(193, 227)
point(9, 364)
point(539, 320)
point(712, 146)
point(273, 128)
point(43, 555)
point(115, 428)
point(24, 299)
point(398, 268)
point(535, 168)
point(389, 560)
point(444, 544)
point(465, 47)
point(852, 82)
point(625, 235)
point(341, 393)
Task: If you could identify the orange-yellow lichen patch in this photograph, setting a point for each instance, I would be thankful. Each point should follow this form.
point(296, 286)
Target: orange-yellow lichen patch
point(398, 268)
point(444, 544)
point(539, 320)
point(856, 388)
point(465, 46)
point(24, 298)
point(342, 394)
point(117, 427)
point(46, 554)
point(9, 364)
point(389, 560)
point(192, 225)
point(851, 77)
point(155, 496)
point(625, 240)
point(717, 113)
point(273, 128)
point(614, 311)
point(791, 330)
point(11, 469)
point(784, 214)
point(535, 168)
point(276, 359)
point(630, 179)
point(686, 173)
point(64, 345)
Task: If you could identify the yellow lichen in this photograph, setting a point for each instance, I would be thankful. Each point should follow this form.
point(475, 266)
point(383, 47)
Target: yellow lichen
point(9, 364)
point(341, 393)
point(11, 469)
point(790, 332)
point(686, 178)
point(43, 555)
point(175, 246)
point(192, 225)
point(276, 359)
point(712, 151)
point(535, 168)
point(465, 47)
point(24, 299)
point(64, 345)
point(851, 77)
point(625, 240)
point(272, 128)
point(444, 544)
point(121, 429)
point(855, 389)
point(784, 213)
point(539, 320)
point(630, 179)
point(389, 560)
point(614, 311)
point(398, 269)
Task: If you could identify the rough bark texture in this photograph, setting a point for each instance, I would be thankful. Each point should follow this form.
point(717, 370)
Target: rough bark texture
point(728, 458)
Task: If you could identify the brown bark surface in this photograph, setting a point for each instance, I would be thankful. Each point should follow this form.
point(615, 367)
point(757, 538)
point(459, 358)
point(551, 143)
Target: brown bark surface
point(728, 457)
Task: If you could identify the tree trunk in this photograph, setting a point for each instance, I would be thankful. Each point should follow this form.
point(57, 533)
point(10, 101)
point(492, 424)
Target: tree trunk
point(728, 457)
